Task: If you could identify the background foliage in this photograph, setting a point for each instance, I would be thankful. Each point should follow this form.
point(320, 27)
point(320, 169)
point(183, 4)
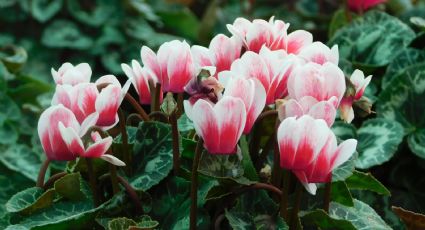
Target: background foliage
point(36, 35)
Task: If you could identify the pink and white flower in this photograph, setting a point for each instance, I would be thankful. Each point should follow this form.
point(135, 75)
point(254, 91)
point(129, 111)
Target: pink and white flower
point(173, 65)
point(140, 77)
point(308, 147)
point(221, 53)
point(252, 94)
point(308, 105)
point(61, 136)
point(359, 83)
point(220, 125)
point(321, 82)
point(68, 74)
point(363, 5)
point(319, 53)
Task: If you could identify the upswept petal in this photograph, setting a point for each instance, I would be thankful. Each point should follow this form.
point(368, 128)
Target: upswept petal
point(89, 122)
point(71, 139)
point(180, 67)
point(202, 56)
point(107, 104)
point(259, 34)
point(62, 96)
point(112, 159)
point(319, 53)
point(360, 82)
point(150, 60)
point(205, 123)
point(98, 148)
point(225, 51)
point(251, 65)
point(344, 151)
point(298, 40)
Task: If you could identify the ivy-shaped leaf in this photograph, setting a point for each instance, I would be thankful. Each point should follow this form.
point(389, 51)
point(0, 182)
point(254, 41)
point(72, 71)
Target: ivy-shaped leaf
point(361, 216)
point(8, 133)
point(30, 200)
point(70, 186)
point(146, 222)
point(345, 170)
point(343, 130)
point(65, 34)
point(153, 154)
point(319, 218)
point(341, 194)
point(43, 10)
point(373, 40)
point(411, 219)
point(9, 110)
point(94, 13)
point(400, 101)
point(360, 180)
point(378, 140)
point(121, 223)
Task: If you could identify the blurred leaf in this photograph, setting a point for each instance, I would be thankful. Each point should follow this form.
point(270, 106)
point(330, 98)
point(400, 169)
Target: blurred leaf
point(8, 133)
point(138, 28)
point(401, 62)
point(28, 90)
point(8, 109)
point(416, 142)
point(30, 200)
point(145, 9)
point(373, 40)
point(65, 34)
point(360, 180)
point(361, 216)
point(153, 154)
point(181, 21)
point(185, 124)
point(249, 170)
point(339, 19)
point(319, 218)
point(93, 13)
point(410, 219)
point(12, 183)
point(22, 159)
point(378, 140)
point(13, 57)
point(43, 10)
point(146, 223)
point(400, 101)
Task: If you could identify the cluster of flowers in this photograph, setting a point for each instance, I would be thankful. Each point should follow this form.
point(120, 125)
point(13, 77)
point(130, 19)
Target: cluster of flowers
point(260, 66)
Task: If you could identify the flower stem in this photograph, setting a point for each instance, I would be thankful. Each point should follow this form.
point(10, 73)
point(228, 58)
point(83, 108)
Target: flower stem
point(276, 171)
point(296, 207)
point(137, 107)
point(194, 185)
point(176, 148)
point(92, 179)
point(42, 173)
point(52, 179)
point(327, 196)
point(180, 109)
point(259, 185)
point(157, 97)
point(284, 197)
point(132, 193)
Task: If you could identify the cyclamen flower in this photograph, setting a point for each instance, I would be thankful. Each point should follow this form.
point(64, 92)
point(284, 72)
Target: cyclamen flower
point(321, 82)
point(221, 53)
point(252, 94)
point(140, 77)
point(68, 74)
point(307, 105)
point(173, 65)
point(271, 68)
point(220, 125)
point(363, 5)
point(308, 147)
point(61, 136)
point(272, 34)
point(354, 93)
point(84, 99)
point(319, 53)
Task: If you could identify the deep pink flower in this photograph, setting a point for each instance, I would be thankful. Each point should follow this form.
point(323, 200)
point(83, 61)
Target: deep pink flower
point(321, 82)
point(173, 65)
point(220, 125)
point(308, 147)
point(221, 53)
point(363, 5)
point(61, 136)
point(68, 74)
point(140, 77)
point(252, 94)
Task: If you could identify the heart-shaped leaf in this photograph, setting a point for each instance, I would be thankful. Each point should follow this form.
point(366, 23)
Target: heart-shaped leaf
point(65, 34)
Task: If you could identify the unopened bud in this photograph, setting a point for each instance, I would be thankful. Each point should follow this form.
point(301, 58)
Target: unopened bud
point(363, 107)
point(169, 105)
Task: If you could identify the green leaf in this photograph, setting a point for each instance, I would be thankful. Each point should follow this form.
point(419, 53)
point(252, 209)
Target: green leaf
point(403, 60)
point(416, 142)
point(373, 40)
point(43, 10)
point(146, 222)
point(339, 19)
point(121, 223)
point(344, 130)
point(361, 216)
point(30, 200)
point(65, 34)
point(341, 194)
point(69, 186)
point(399, 102)
point(185, 124)
point(11, 183)
point(378, 140)
point(249, 170)
point(8, 133)
point(8, 109)
point(28, 163)
point(240, 220)
point(94, 14)
point(153, 154)
point(360, 180)
point(13, 57)
point(181, 20)
point(319, 218)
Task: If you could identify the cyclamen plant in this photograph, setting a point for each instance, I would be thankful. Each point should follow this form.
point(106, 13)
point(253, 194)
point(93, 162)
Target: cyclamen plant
point(260, 71)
